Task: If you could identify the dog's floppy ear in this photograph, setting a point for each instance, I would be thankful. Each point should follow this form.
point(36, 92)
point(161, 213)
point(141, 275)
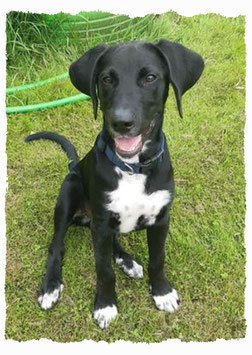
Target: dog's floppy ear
point(83, 73)
point(185, 67)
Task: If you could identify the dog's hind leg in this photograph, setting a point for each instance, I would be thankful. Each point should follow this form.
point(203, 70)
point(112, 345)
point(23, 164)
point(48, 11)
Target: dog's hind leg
point(125, 261)
point(69, 201)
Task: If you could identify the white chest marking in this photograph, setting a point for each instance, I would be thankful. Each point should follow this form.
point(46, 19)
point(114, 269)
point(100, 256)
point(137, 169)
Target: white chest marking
point(130, 201)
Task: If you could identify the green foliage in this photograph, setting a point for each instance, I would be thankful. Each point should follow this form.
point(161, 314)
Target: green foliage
point(32, 39)
point(205, 250)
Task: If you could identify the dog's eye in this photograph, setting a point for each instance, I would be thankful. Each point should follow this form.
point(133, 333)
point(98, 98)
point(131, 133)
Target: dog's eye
point(150, 78)
point(107, 79)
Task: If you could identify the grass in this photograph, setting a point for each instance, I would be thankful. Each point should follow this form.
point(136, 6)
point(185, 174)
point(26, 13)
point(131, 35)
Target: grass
point(205, 252)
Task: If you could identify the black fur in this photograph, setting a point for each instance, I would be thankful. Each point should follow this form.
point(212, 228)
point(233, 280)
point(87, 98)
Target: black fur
point(131, 82)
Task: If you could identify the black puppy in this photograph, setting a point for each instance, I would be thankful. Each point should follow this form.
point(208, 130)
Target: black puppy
point(125, 182)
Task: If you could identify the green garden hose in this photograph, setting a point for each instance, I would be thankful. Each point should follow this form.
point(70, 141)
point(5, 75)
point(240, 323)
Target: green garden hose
point(34, 85)
point(42, 105)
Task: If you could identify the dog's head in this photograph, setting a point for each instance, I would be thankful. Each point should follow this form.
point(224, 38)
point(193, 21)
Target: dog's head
point(131, 81)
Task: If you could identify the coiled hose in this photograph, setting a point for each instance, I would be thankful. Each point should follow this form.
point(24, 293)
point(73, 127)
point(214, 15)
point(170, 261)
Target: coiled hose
point(42, 105)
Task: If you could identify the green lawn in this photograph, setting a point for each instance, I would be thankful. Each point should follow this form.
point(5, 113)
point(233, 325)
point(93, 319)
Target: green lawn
point(205, 251)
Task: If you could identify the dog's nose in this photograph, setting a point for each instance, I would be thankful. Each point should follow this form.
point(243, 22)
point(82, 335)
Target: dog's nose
point(123, 121)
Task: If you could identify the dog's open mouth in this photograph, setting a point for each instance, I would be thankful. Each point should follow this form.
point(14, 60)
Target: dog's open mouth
point(128, 146)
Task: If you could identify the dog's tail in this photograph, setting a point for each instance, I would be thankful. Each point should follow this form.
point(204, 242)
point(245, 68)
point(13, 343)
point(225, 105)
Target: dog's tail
point(65, 144)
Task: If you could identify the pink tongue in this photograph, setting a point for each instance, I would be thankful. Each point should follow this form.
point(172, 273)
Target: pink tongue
point(128, 144)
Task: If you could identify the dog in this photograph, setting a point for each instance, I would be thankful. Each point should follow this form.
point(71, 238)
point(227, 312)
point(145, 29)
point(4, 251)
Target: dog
point(125, 182)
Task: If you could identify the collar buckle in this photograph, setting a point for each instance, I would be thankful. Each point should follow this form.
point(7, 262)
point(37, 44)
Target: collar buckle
point(131, 170)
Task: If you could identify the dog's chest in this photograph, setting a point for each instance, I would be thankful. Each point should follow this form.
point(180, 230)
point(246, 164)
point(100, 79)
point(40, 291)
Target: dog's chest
point(132, 207)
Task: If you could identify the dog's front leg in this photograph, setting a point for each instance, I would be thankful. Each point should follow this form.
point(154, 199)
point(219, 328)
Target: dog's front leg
point(164, 295)
point(105, 302)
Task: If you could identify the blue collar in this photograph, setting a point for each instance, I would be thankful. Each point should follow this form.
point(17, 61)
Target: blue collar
point(135, 168)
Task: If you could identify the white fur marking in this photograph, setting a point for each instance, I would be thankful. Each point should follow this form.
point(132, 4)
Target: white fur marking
point(145, 145)
point(132, 160)
point(47, 300)
point(168, 302)
point(103, 316)
point(131, 193)
point(136, 272)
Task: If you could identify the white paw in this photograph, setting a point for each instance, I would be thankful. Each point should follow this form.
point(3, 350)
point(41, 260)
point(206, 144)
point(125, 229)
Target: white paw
point(47, 300)
point(168, 302)
point(103, 316)
point(136, 271)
